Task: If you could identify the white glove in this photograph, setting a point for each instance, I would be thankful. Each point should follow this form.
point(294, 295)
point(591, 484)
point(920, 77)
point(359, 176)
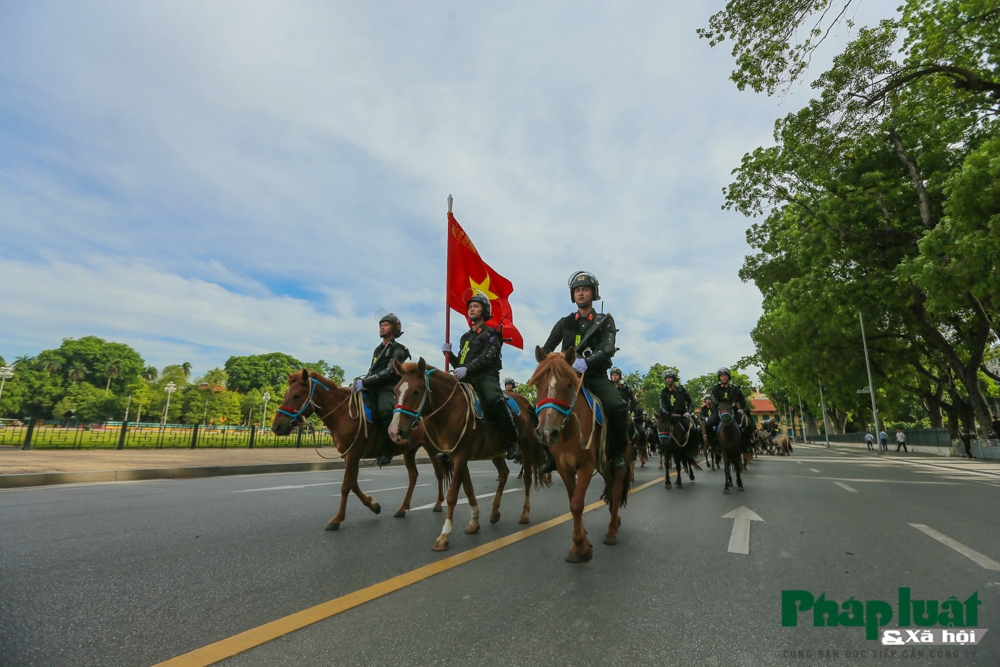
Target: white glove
point(688, 415)
point(446, 348)
point(460, 372)
point(580, 365)
point(359, 385)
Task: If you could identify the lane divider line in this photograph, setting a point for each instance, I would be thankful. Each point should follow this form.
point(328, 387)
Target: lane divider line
point(465, 501)
point(978, 558)
point(845, 487)
point(295, 486)
point(227, 648)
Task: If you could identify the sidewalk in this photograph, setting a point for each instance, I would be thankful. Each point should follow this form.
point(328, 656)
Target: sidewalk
point(17, 461)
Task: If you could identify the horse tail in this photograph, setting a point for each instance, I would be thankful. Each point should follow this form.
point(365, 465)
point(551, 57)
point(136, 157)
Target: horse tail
point(609, 480)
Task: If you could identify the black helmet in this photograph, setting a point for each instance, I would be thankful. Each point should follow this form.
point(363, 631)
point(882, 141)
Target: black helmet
point(615, 369)
point(507, 381)
point(723, 371)
point(481, 299)
point(670, 373)
point(397, 326)
point(584, 279)
point(707, 397)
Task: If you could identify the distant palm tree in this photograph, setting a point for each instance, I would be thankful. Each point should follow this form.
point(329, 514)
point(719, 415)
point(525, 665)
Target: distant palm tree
point(24, 360)
point(52, 365)
point(112, 370)
point(150, 373)
point(186, 367)
point(77, 371)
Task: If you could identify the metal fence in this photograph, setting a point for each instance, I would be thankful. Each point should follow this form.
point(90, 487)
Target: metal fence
point(927, 437)
point(113, 435)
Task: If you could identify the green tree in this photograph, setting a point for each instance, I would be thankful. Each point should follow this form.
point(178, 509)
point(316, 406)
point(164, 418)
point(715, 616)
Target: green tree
point(77, 371)
point(258, 370)
point(186, 368)
point(111, 370)
point(150, 373)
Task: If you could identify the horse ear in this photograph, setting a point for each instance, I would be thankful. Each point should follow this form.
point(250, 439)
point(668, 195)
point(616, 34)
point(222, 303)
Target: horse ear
point(570, 355)
point(539, 354)
point(398, 367)
point(421, 365)
point(305, 376)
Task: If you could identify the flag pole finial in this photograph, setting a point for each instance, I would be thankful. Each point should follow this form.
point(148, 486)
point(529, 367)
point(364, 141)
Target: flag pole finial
point(450, 200)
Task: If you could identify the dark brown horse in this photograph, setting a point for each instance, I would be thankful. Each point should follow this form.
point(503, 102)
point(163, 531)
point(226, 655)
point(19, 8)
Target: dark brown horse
point(444, 408)
point(678, 444)
point(569, 427)
point(730, 442)
point(342, 411)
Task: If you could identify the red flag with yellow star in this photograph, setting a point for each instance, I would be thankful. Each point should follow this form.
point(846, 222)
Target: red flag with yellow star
point(468, 273)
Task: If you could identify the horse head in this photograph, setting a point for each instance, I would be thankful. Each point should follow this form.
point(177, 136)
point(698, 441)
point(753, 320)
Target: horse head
point(412, 392)
point(558, 385)
point(297, 404)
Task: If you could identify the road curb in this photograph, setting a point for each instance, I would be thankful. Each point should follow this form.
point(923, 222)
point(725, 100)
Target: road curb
point(25, 480)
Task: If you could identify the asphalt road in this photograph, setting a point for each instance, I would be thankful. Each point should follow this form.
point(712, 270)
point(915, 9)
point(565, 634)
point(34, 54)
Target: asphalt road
point(138, 573)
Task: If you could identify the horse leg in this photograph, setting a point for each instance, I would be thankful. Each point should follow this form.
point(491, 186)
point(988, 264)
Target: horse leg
point(726, 463)
point(410, 461)
point(739, 480)
point(501, 466)
point(439, 474)
point(350, 479)
point(457, 471)
point(616, 502)
point(366, 500)
point(576, 487)
point(677, 465)
point(526, 508)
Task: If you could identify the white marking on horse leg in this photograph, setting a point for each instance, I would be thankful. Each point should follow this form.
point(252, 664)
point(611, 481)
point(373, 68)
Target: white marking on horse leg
point(447, 527)
point(475, 513)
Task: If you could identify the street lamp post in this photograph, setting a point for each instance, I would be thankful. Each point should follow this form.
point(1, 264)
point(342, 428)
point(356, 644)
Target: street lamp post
point(868, 367)
point(263, 418)
point(170, 388)
point(802, 416)
point(822, 406)
point(6, 373)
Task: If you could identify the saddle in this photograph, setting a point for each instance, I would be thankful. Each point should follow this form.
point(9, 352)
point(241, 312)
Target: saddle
point(477, 405)
point(595, 405)
point(369, 402)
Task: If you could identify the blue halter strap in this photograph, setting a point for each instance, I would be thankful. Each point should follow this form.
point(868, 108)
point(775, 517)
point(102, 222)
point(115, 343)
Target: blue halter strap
point(399, 407)
point(305, 406)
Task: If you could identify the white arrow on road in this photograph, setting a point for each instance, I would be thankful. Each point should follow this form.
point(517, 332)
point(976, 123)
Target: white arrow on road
point(739, 541)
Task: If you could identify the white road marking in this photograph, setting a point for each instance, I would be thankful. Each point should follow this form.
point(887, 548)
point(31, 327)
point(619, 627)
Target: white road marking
point(844, 486)
point(979, 558)
point(884, 481)
point(465, 501)
point(739, 540)
point(814, 469)
point(392, 488)
point(294, 486)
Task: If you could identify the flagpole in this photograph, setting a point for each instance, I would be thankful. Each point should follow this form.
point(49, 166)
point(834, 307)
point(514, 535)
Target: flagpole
point(447, 285)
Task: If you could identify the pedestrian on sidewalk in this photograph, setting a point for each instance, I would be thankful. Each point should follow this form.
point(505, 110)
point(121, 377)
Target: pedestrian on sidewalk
point(901, 440)
point(967, 442)
point(870, 441)
point(883, 439)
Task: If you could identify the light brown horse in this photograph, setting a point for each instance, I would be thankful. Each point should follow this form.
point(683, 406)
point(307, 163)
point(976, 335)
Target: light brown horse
point(342, 411)
point(444, 408)
point(783, 445)
point(567, 424)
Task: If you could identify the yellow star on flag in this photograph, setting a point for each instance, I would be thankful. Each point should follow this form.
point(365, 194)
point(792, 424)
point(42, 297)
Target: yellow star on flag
point(483, 288)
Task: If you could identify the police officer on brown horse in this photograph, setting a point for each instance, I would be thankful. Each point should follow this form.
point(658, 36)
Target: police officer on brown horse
point(381, 380)
point(593, 334)
point(478, 362)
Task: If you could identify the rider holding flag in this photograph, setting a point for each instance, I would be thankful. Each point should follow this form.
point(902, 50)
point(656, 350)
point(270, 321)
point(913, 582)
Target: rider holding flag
point(592, 334)
point(478, 362)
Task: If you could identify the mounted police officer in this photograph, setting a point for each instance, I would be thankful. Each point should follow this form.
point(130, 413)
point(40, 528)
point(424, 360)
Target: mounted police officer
point(624, 390)
point(675, 399)
point(509, 384)
point(725, 391)
point(592, 334)
point(381, 381)
point(478, 362)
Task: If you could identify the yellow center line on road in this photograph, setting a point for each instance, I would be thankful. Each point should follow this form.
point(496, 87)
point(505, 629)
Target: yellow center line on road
point(227, 648)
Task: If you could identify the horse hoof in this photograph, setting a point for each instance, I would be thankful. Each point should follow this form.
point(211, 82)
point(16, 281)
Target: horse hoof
point(523, 519)
point(494, 517)
point(437, 508)
point(376, 508)
point(400, 514)
point(472, 530)
point(679, 485)
point(611, 539)
point(740, 488)
point(574, 557)
point(333, 525)
point(667, 485)
point(441, 544)
point(726, 491)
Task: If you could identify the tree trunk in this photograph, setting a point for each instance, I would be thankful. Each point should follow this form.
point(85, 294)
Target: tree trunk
point(838, 419)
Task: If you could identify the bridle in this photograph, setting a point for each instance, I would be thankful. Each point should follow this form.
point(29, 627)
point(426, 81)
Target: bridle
point(305, 406)
point(415, 415)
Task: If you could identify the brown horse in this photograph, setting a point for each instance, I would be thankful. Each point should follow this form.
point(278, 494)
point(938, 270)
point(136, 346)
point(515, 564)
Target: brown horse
point(784, 447)
point(342, 411)
point(730, 442)
point(569, 427)
point(444, 408)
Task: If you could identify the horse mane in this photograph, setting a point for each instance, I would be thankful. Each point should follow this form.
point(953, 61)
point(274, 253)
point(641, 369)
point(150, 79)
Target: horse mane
point(555, 363)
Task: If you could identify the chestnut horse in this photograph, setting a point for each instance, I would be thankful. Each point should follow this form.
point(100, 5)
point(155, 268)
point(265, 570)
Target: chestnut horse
point(569, 427)
point(342, 411)
point(443, 406)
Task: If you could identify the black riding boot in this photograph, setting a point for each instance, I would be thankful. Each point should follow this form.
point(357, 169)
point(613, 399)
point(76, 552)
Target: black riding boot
point(617, 438)
point(549, 464)
point(504, 421)
point(387, 446)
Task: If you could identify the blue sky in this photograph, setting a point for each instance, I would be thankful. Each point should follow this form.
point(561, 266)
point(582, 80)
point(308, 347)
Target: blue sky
point(207, 179)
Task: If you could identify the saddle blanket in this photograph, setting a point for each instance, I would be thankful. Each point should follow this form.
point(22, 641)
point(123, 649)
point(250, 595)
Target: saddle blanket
point(592, 401)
